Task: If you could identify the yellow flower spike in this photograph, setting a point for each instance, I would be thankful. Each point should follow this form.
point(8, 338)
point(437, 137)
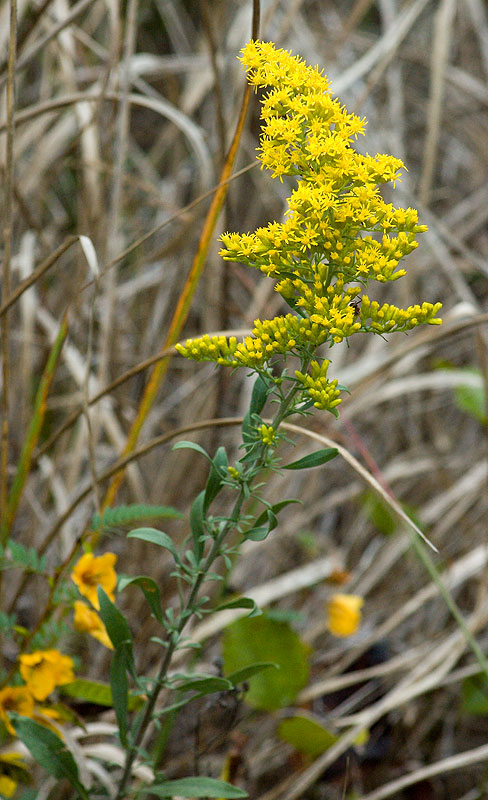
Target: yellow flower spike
point(87, 621)
point(267, 433)
point(344, 614)
point(93, 571)
point(44, 670)
point(18, 699)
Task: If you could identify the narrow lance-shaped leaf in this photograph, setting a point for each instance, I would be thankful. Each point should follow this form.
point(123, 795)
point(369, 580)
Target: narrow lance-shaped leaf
point(197, 517)
point(196, 787)
point(49, 750)
point(215, 478)
point(151, 592)
point(259, 396)
point(156, 537)
point(119, 685)
point(313, 460)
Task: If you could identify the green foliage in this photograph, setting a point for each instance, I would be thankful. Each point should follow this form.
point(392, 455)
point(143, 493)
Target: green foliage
point(151, 592)
point(49, 751)
point(306, 735)
point(195, 787)
point(197, 518)
point(472, 399)
point(313, 460)
point(135, 512)
point(156, 537)
point(218, 472)
point(379, 513)
point(474, 697)
point(15, 555)
point(97, 693)
point(259, 639)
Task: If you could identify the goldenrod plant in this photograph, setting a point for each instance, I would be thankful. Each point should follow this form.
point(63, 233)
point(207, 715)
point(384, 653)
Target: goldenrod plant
point(339, 236)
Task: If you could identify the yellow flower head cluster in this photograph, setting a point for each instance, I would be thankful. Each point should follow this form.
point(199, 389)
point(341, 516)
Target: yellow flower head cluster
point(338, 233)
point(88, 574)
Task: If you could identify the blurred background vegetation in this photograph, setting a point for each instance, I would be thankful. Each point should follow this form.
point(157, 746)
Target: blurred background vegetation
point(124, 113)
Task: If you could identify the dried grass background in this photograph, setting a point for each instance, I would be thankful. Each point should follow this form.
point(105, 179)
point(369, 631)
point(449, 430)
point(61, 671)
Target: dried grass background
point(123, 116)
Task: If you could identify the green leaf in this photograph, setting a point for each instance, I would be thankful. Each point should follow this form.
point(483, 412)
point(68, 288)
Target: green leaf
point(98, 693)
point(197, 517)
point(215, 478)
point(196, 787)
point(474, 697)
point(379, 514)
point(207, 685)
point(258, 639)
point(259, 396)
point(156, 537)
point(244, 674)
point(120, 690)
point(314, 459)
point(134, 512)
point(258, 534)
point(49, 751)
point(191, 446)
point(116, 624)
point(241, 602)
point(472, 399)
point(151, 593)
point(306, 735)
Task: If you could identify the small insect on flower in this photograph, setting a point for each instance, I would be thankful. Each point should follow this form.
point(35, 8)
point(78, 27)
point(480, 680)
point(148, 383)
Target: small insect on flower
point(356, 305)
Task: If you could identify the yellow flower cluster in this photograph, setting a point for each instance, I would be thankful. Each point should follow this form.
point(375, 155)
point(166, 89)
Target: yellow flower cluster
point(338, 232)
point(42, 671)
point(267, 434)
point(323, 392)
point(88, 574)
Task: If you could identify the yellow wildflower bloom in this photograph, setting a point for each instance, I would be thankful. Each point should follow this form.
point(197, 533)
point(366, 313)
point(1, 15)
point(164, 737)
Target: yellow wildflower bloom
point(344, 614)
point(15, 698)
point(7, 786)
point(87, 621)
point(93, 571)
point(44, 670)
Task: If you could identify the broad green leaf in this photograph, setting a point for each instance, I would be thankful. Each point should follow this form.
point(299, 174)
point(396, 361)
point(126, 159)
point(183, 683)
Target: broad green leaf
point(259, 395)
point(244, 674)
point(207, 685)
point(156, 537)
point(241, 602)
point(258, 534)
point(98, 693)
point(151, 593)
point(472, 399)
point(120, 690)
point(474, 697)
point(306, 735)
point(379, 513)
point(196, 787)
point(214, 482)
point(196, 523)
point(116, 624)
point(191, 446)
point(314, 459)
point(49, 751)
point(258, 639)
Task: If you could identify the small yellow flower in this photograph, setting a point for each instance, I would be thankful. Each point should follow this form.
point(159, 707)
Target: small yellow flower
point(44, 670)
point(344, 614)
point(93, 571)
point(7, 786)
point(15, 698)
point(87, 621)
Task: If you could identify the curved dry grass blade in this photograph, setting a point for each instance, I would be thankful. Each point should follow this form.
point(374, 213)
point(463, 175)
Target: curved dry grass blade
point(183, 305)
point(459, 761)
point(375, 485)
point(8, 233)
point(32, 437)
